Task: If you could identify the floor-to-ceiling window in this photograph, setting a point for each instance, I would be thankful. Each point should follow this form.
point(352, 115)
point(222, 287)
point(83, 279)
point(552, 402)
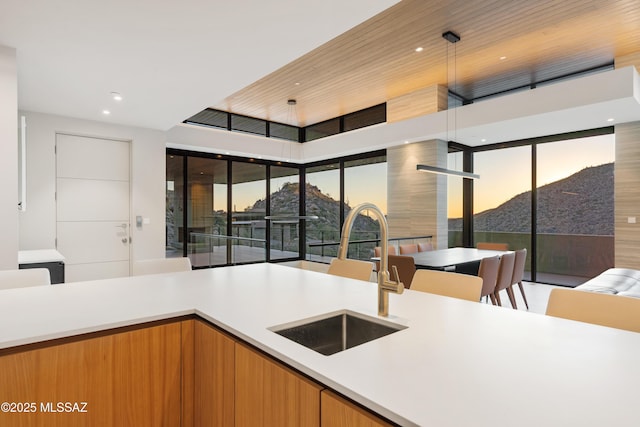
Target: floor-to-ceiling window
point(454, 200)
point(553, 196)
point(285, 210)
point(206, 211)
point(174, 206)
point(365, 181)
point(575, 209)
point(502, 198)
point(237, 210)
point(323, 200)
point(248, 200)
point(333, 188)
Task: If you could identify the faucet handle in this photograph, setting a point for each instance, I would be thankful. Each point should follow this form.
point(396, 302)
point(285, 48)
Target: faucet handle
point(400, 285)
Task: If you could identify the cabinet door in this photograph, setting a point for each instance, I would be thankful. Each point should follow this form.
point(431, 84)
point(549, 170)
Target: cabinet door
point(339, 412)
point(268, 394)
point(214, 377)
point(126, 379)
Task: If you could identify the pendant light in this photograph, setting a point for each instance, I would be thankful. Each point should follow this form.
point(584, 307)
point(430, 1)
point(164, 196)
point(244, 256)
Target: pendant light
point(452, 38)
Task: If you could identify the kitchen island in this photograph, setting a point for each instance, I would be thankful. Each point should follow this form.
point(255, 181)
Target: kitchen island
point(457, 363)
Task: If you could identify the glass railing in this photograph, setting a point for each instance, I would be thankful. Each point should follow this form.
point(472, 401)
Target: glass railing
point(208, 250)
point(361, 245)
point(562, 259)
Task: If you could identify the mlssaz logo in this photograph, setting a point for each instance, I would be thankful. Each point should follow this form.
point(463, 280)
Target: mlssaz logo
point(63, 407)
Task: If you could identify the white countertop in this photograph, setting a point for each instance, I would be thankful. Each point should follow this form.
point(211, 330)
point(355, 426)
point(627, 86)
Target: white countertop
point(457, 364)
point(39, 255)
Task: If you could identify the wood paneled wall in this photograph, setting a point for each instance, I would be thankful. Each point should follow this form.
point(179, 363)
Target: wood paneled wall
point(627, 195)
point(417, 201)
point(627, 185)
point(418, 103)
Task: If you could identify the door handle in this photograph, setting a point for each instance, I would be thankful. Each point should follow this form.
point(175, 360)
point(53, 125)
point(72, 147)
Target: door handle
point(125, 240)
point(123, 226)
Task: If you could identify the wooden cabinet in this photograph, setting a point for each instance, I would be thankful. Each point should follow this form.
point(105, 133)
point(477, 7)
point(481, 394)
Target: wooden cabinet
point(185, 373)
point(339, 412)
point(131, 378)
point(268, 394)
point(214, 385)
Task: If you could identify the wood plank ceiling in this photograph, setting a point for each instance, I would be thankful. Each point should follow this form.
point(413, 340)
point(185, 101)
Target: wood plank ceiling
point(376, 60)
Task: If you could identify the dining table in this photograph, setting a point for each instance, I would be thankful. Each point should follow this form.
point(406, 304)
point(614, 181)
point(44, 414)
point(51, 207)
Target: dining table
point(462, 260)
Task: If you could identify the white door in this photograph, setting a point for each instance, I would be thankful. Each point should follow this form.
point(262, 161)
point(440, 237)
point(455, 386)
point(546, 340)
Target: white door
point(92, 205)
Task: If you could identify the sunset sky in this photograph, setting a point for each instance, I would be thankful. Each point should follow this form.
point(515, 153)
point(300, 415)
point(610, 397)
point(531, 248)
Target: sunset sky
point(503, 175)
point(507, 173)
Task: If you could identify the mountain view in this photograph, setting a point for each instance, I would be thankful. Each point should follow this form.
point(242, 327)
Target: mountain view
point(579, 204)
point(285, 202)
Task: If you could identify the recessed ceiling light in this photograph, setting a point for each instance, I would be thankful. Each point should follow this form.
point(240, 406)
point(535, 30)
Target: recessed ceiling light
point(502, 58)
point(106, 112)
point(483, 140)
point(610, 120)
point(297, 83)
point(406, 142)
point(116, 96)
point(419, 49)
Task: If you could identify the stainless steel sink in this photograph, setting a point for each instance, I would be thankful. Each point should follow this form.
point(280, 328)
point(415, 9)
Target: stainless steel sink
point(334, 332)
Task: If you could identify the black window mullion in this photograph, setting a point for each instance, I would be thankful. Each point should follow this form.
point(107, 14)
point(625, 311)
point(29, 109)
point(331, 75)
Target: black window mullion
point(267, 213)
point(185, 204)
point(302, 244)
point(467, 201)
point(229, 243)
point(534, 211)
point(342, 202)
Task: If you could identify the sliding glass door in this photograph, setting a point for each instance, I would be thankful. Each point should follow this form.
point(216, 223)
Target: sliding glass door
point(285, 208)
point(575, 209)
point(174, 206)
point(454, 200)
point(502, 198)
point(248, 225)
point(323, 200)
point(365, 180)
point(217, 207)
point(206, 211)
point(554, 198)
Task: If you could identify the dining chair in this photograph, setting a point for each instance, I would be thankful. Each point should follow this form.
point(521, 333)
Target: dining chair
point(505, 273)
point(488, 271)
point(406, 269)
point(161, 265)
point(493, 246)
point(409, 248)
point(518, 273)
point(23, 278)
point(351, 268)
point(425, 247)
point(456, 285)
point(615, 311)
point(390, 249)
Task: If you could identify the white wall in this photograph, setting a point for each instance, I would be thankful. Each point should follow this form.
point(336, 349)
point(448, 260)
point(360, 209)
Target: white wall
point(8, 159)
point(38, 224)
